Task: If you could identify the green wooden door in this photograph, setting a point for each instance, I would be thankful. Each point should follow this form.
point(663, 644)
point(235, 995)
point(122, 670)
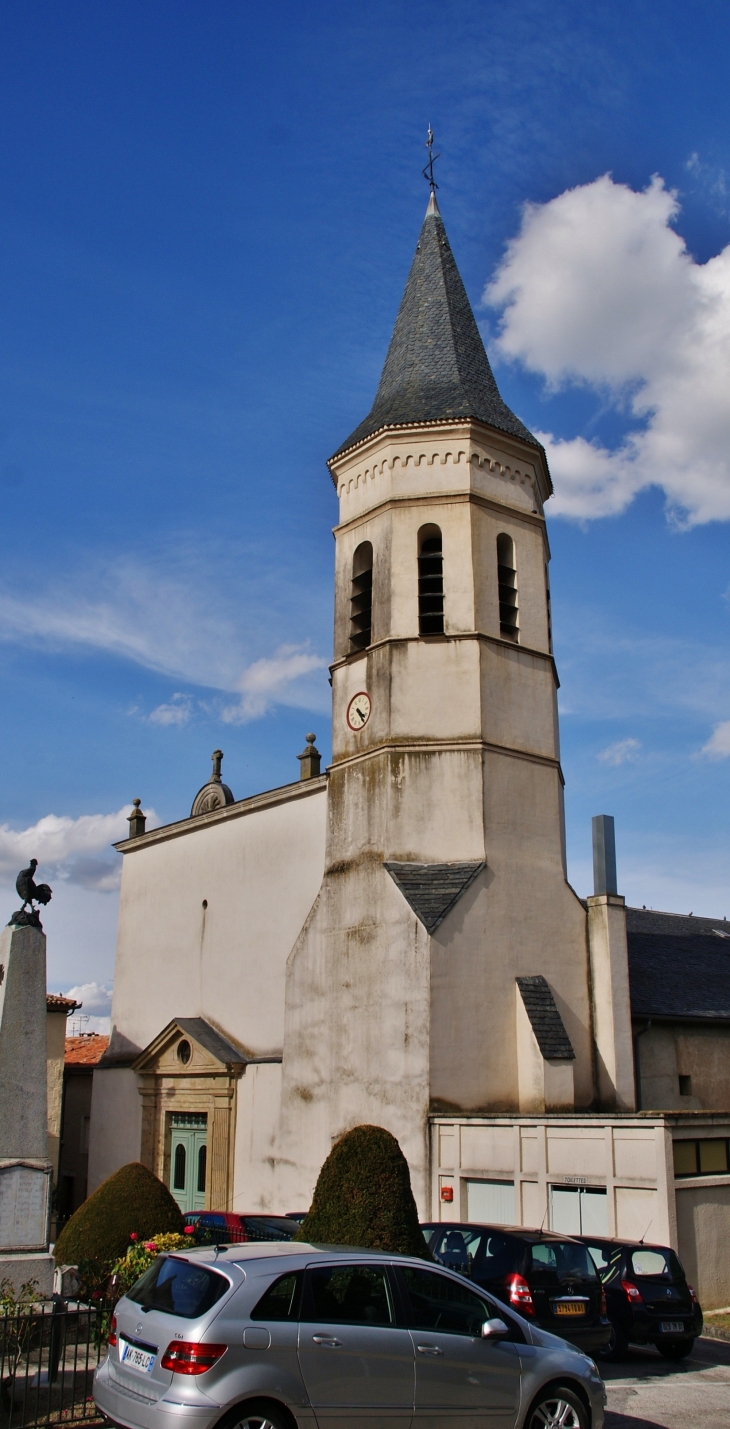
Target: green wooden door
point(188, 1159)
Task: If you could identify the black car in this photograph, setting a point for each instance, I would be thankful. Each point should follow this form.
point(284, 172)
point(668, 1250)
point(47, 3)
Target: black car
point(647, 1296)
point(548, 1278)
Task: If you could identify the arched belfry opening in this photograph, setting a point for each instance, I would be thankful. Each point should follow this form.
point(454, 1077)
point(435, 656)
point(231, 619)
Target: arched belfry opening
point(507, 582)
point(361, 598)
point(430, 581)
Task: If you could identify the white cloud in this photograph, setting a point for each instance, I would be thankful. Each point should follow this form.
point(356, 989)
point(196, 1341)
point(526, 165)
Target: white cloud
point(278, 678)
point(718, 745)
point(77, 850)
point(154, 617)
point(598, 289)
point(624, 751)
point(95, 997)
point(95, 1012)
point(171, 619)
point(177, 711)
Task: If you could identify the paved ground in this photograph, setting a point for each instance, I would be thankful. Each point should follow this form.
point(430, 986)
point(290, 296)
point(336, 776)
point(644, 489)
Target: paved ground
point(647, 1392)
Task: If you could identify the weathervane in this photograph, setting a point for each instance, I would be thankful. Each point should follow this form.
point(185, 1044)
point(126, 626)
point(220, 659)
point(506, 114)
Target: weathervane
point(428, 171)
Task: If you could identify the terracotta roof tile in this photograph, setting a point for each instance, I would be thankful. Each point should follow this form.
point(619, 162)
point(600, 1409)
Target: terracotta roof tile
point(85, 1051)
point(56, 1002)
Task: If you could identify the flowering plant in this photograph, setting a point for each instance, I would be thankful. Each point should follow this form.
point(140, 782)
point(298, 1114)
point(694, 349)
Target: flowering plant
point(137, 1259)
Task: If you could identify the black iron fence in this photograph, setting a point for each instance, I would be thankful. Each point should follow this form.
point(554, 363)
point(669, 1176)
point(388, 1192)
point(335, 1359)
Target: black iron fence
point(48, 1355)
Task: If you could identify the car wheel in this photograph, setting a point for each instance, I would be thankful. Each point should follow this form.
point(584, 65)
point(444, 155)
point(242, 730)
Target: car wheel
point(256, 1415)
point(617, 1346)
point(675, 1349)
point(557, 1408)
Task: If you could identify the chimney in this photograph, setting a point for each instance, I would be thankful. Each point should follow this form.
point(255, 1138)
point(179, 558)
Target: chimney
point(136, 820)
point(309, 760)
point(604, 855)
point(609, 962)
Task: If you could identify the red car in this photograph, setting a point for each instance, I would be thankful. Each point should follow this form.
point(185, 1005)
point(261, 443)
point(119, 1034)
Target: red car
point(232, 1228)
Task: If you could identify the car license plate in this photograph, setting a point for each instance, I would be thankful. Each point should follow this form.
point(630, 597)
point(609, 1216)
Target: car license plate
point(672, 1327)
point(138, 1359)
point(568, 1309)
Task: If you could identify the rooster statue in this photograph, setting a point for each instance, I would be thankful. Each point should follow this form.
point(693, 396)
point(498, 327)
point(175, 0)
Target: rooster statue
point(30, 892)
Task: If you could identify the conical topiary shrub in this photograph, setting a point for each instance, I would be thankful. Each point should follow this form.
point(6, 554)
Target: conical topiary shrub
point(363, 1197)
point(133, 1200)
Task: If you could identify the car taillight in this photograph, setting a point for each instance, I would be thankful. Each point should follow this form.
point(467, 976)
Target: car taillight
point(113, 1331)
point(631, 1292)
point(184, 1357)
point(519, 1293)
point(604, 1307)
point(692, 1296)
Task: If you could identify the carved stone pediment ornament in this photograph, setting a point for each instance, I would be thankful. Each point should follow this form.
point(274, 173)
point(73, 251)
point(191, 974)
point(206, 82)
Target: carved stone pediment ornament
point(215, 794)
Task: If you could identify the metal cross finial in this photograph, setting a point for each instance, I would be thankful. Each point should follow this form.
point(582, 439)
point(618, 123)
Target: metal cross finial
point(217, 758)
point(428, 171)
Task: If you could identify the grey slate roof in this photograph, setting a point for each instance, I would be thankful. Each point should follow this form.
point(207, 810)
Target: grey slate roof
point(211, 1040)
point(679, 967)
point(436, 368)
point(546, 1022)
point(646, 920)
point(432, 889)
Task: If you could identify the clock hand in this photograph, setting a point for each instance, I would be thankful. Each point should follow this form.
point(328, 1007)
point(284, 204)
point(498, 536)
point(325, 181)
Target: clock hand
point(360, 713)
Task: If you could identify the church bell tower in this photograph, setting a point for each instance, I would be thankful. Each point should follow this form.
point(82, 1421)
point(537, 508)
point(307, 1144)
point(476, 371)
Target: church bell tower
point(444, 891)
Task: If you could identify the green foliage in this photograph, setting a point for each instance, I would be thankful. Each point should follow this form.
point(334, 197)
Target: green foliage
point(132, 1202)
point(19, 1302)
point(139, 1258)
point(19, 1333)
point(363, 1197)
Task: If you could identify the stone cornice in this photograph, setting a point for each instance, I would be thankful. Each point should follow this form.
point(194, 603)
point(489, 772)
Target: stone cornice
point(369, 459)
point(286, 793)
point(466, 428)
point(447, 498)
point(510, 645)
point(446, 746)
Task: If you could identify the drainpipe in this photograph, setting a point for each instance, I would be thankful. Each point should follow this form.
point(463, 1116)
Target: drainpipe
point(637, 1063)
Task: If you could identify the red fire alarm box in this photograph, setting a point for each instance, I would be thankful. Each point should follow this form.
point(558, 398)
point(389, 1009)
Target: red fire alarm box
point(447, 1193)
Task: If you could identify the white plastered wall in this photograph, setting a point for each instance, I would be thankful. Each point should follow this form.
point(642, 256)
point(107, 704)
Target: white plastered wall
point(258, 871)
point(257, 866)
point(115, 1128)
point(256, 1181)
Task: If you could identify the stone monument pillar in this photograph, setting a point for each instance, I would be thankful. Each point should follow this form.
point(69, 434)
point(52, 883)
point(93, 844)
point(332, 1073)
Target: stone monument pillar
point(25, 1171)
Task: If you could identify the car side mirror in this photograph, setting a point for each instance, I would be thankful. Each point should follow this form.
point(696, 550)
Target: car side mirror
point(494, 1330)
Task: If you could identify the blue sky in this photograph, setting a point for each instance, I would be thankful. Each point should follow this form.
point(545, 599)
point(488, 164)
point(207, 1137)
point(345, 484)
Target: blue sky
point(208, 214)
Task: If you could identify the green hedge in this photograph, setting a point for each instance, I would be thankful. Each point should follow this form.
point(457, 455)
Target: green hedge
point(132, 1200)
point(363, 1197)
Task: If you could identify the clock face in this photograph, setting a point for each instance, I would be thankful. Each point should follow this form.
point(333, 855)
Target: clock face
point(358, 710)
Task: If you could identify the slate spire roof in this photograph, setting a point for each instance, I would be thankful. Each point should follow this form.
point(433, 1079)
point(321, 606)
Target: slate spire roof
point(436, 368)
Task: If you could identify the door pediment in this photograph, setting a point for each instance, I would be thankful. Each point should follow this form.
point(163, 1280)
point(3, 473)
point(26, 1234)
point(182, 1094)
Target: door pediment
point(190, 1046)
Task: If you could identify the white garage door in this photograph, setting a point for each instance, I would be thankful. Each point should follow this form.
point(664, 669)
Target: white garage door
point(491, 1201)
point(578, 1210)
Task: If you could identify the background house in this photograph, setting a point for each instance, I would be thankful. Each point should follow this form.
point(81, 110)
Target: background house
point(81, 1055)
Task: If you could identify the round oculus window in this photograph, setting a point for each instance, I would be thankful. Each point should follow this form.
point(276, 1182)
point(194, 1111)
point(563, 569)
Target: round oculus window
point(184, 1052)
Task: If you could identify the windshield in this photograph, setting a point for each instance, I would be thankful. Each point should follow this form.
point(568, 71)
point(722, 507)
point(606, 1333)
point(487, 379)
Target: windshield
point(563, 1258)
point(269, 1227)
point(178, 1288)
point(607, 1260)
point(457, 1248)
point(656, 1261)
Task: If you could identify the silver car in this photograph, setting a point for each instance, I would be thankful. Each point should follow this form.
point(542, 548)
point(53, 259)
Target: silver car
point(282, 1336)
